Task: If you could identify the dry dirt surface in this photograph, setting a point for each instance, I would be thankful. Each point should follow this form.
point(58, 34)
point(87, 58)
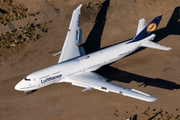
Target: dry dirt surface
point(151, 71)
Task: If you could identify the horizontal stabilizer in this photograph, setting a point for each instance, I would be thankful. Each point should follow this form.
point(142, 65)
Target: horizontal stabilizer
point(154, 45)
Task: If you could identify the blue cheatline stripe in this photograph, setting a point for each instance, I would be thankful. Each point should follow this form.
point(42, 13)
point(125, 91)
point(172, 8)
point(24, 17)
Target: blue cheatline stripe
point(80, 36)
point(144, 33)
point(79, 21)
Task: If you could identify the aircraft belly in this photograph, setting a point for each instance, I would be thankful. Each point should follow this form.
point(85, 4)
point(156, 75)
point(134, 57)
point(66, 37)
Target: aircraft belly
point(29, 88)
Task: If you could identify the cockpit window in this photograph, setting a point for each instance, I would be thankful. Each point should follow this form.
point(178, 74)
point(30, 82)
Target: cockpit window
point(27, 79)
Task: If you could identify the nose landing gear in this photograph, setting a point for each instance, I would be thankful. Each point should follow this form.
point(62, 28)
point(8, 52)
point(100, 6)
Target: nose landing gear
point(30, 92)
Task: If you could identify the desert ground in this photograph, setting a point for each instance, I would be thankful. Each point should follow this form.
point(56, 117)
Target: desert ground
point(104, 23)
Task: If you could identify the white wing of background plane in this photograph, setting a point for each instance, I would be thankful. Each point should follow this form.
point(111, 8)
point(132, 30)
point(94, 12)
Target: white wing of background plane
point(73, 38)
point(92, 80)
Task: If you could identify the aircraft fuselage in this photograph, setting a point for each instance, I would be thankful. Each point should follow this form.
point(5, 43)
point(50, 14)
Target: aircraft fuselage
point(78, 65)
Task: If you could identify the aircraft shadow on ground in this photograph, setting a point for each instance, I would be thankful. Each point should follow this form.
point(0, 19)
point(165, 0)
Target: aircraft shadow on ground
point(115, 74)
point(94, 39)
point(155, 115)
point(3, 11)
point(135, 117)
point(172, 27)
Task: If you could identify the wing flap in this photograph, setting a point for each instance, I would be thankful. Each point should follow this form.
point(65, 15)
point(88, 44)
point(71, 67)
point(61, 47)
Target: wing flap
point(92, 80)
point(154, 45)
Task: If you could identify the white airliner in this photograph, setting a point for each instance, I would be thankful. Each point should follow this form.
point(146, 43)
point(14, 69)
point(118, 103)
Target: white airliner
point(75, 67)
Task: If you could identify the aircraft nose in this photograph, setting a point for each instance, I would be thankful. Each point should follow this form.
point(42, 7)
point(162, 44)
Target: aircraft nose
point(19, 86)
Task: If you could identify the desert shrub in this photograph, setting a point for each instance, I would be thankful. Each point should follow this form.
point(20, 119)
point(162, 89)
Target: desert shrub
point(44, 30)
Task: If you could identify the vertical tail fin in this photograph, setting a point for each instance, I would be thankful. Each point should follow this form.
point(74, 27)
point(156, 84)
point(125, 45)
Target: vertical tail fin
point(148, 29)
point(141, 26)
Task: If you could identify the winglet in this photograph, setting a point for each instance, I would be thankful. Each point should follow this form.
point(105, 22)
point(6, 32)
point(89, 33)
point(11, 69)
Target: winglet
point(79, 7)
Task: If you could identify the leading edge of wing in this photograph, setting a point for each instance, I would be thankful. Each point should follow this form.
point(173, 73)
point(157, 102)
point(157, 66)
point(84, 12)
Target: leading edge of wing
point(70, 48)
point(92, 80)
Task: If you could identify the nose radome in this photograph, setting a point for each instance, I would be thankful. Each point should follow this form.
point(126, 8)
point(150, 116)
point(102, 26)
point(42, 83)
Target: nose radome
point(19, 86)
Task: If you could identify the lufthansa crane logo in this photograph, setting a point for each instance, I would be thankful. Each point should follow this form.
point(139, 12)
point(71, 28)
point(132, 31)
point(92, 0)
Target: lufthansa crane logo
point(151, 27)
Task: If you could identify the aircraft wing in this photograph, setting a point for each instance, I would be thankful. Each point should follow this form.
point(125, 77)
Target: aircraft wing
point(73, 38)
point(92, 80)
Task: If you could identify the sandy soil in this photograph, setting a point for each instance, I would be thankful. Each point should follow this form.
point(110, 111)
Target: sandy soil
point(152, 71)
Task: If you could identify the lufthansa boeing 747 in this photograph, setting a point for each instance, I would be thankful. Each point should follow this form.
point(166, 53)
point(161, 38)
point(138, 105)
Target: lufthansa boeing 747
point(76, 67)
